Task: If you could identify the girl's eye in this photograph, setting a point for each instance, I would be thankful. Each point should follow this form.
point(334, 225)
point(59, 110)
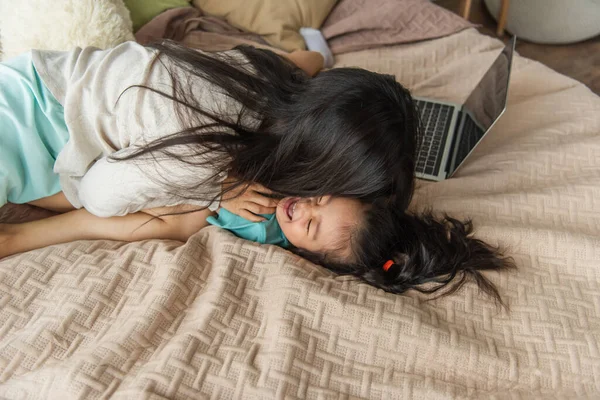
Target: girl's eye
point(319, 200)
point(308, 226)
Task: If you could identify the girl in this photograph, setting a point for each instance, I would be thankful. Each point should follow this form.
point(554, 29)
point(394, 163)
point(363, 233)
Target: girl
point(377, 243)
point(128, 133)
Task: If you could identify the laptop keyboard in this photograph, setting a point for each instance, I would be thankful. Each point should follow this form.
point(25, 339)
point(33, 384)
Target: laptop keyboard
point(436, 123)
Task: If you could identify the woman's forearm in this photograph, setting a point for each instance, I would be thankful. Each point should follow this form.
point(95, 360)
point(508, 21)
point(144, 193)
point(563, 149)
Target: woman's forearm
point(63, 228)
point(81, 225)
point(310, 62)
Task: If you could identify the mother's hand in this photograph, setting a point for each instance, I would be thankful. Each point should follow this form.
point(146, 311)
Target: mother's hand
point(248, 201)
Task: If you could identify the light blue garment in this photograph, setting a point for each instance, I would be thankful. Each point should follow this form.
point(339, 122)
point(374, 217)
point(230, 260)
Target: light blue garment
point(32, 133)
point(265, 232)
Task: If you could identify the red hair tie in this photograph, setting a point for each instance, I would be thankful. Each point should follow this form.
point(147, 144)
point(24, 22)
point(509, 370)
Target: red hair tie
point(387, 265)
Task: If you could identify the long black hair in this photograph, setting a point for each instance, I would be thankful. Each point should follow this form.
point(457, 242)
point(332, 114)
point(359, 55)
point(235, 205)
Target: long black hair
point(427, 254)
point(346, 132)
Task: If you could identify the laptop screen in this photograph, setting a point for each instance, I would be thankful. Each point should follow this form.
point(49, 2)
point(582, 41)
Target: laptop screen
point(484, 106)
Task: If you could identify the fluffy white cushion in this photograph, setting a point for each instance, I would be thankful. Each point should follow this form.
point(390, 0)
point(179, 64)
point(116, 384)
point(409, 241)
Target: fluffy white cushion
point(62, 24)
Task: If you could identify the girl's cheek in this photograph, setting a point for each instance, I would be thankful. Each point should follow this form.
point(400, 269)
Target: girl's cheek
point(288, 231)
point(296, 231)
point(292, 229)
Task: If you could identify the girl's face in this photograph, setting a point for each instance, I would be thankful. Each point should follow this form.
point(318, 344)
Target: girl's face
point(320, 225)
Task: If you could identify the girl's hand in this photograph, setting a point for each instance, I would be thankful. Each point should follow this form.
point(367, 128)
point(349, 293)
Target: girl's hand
point(248, 200)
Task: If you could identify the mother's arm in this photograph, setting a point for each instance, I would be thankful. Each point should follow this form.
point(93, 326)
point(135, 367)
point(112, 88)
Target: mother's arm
point(81, 225)
point(310, 62)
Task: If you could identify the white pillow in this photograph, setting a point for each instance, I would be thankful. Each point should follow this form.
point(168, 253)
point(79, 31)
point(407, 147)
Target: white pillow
point(62, 25)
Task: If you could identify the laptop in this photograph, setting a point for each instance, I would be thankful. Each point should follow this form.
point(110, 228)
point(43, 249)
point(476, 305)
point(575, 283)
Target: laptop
point(452, 131)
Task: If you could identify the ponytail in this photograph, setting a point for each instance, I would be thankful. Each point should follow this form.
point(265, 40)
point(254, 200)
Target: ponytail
point(426, 254)
point(443, 253)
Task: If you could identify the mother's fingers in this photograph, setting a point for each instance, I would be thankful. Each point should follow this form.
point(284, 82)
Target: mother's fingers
point(257, 208)
point(257, 187)
point(251, 216)
point(264, 201)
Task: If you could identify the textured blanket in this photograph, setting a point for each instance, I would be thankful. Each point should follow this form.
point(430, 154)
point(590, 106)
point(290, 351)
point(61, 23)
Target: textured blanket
point(363, 24)
point(222, 318)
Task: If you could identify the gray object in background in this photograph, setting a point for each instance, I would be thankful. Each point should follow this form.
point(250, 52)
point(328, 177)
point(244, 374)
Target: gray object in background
point(551, 21)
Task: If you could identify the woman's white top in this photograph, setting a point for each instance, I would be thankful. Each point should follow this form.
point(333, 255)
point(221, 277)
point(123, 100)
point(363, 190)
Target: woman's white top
point(105, 116)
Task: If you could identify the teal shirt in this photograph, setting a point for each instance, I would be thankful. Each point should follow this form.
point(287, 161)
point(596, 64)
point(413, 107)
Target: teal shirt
point(32, 133)
point(266, 232)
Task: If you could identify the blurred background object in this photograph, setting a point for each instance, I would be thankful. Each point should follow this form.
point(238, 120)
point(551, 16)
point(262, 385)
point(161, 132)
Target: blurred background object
point(548, 21)
point(580, 61)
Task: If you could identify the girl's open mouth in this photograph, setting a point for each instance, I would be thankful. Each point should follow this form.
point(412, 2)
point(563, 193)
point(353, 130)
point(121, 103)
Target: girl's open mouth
point(289, 207)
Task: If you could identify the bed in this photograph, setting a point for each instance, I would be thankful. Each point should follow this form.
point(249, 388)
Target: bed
point(222, 318)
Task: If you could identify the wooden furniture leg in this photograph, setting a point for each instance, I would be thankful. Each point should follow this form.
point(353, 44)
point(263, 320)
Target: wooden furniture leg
point(466, 8)
point(502, 17)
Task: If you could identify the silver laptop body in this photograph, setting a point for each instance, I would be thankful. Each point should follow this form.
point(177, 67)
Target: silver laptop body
point(452, 131)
